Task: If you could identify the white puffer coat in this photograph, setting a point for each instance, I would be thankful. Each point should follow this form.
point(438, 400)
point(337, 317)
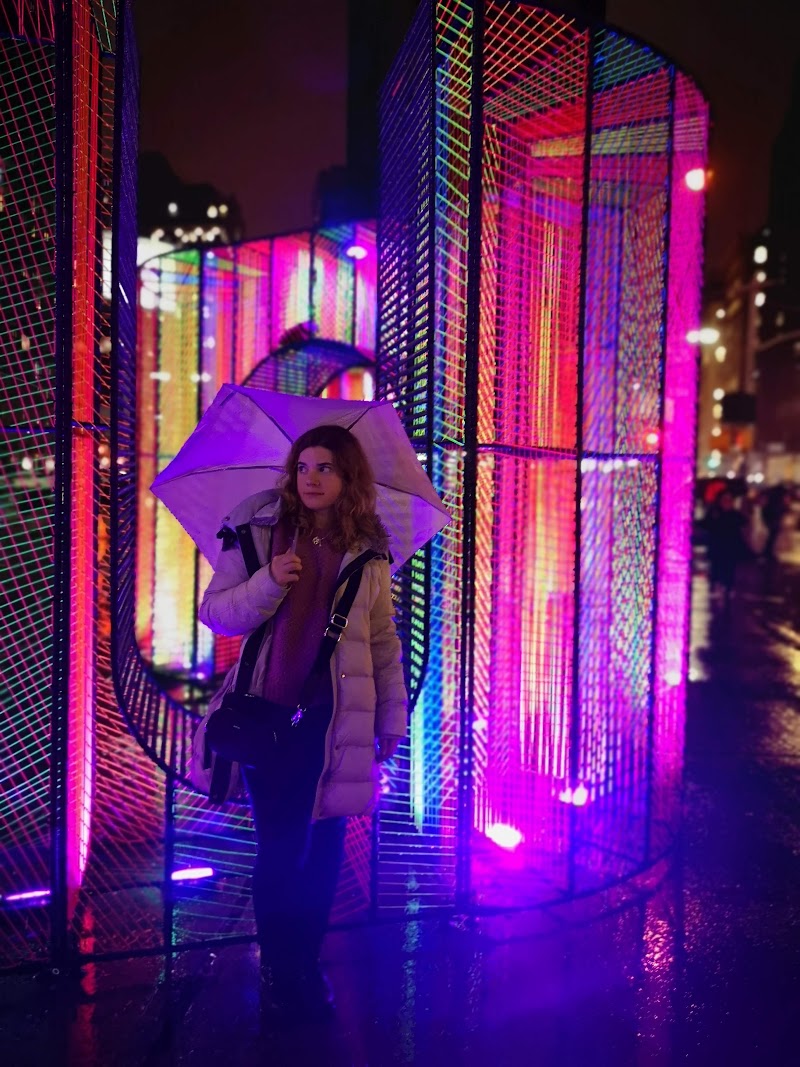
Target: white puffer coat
point(369, 692)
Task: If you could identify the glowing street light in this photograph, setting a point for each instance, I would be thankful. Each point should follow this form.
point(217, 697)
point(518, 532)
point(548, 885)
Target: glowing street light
point(707, 335)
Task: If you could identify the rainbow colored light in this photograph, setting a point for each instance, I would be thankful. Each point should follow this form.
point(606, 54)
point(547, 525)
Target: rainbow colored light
point(547, 285)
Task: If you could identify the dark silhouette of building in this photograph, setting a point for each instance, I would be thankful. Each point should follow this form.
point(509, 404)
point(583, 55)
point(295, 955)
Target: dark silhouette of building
point(181, 213)
point(778, 326)
point(376, 29)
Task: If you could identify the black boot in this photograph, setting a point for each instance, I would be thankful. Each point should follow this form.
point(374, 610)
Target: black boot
point(316, 992)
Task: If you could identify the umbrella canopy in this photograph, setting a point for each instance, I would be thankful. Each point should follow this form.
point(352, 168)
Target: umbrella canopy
point(240, 447)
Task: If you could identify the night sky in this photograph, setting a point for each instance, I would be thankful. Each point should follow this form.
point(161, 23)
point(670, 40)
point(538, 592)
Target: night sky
point(250, 96)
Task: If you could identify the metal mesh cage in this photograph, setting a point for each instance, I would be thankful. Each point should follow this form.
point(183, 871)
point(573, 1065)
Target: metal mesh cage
point(540, 260)
point(539, 270)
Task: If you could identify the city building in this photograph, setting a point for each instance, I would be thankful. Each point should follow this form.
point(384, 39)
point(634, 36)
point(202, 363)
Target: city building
point(749, 404)
point(726, 403)
point(777, 349)
point(179, 213)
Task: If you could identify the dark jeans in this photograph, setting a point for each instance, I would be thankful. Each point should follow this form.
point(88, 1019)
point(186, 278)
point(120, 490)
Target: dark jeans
point(297, 867)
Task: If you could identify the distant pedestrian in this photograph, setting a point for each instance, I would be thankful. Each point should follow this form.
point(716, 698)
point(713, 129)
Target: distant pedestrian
point(725, 526)
point(774, 509)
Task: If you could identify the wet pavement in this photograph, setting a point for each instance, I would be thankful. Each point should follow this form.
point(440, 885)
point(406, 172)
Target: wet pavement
point(698, 963)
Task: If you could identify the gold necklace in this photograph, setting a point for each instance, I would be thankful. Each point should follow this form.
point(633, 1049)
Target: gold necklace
point(316, 540)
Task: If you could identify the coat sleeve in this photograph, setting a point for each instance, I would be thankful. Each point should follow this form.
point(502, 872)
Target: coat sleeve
point(234, 604)
point(391, 714)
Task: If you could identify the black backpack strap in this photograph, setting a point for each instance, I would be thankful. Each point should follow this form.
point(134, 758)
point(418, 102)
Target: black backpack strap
point(247, 660)
point(356, 565)
point(248, 547)
point(337, 624)
point(333, 632)
point(220, 780)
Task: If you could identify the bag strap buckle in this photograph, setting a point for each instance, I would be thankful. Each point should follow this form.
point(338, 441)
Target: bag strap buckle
point(336, 627)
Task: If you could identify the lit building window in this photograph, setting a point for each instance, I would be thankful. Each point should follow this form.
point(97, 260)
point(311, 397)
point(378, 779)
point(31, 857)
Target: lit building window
point(717, 412)
point(760, 299)
point(760, 254)
point(716, 432)
point(223, 209)
point(172, 208)
point(720, 352)
point(761, 276)
point(780, 319)
point(720, 313)
point(718, 394)
point(212, 211)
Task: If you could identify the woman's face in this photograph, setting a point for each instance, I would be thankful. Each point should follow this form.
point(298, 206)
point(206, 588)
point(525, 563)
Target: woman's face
point(319, 484)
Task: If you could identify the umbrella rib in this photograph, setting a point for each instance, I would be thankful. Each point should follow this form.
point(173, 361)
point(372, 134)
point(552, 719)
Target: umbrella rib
point(270, 417)
point(359, 417)
point(405, 492)
point(223, 467)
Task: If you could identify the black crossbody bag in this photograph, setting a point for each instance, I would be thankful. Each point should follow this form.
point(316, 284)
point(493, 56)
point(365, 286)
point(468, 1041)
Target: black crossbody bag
point(245, 728)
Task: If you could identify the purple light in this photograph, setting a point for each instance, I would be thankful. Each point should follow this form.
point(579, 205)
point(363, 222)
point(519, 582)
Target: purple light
point(508, 837)
point(356, 251)
point(189, 873)
point(29, 894)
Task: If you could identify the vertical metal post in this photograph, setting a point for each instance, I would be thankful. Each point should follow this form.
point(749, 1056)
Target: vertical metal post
point(62, 524)
point(471, 379)
point(575, 709)
point(374, 855)
point(312, 269)
point(198, 412)
point(237, 300)
point(352, 325)
point(662, 383)
point(168, 923)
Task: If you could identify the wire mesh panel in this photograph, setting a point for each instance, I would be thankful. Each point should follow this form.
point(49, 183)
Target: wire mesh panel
point(422, 135)
point(532, 210)
point(628, 176)
point(76, 767)
point(539, 263)
point(684, 282)
point(27, 399)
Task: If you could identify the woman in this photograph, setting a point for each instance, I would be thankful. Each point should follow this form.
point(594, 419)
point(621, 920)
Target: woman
point(305, 534)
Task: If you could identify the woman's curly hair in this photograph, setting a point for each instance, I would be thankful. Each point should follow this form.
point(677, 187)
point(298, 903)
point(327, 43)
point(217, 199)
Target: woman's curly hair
point(355, 520)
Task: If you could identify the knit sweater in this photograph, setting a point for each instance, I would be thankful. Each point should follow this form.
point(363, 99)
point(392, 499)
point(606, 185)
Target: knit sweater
point(300, 621)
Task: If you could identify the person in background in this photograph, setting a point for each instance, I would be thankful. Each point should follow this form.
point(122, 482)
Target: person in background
point(725, 526)
point(773, 510)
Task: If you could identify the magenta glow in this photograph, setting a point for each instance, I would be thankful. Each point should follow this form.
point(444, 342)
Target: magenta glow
point(189, 873)
point(508, 837)
point(29, 894)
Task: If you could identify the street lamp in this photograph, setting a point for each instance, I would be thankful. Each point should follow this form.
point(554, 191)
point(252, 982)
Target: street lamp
point(707, 335)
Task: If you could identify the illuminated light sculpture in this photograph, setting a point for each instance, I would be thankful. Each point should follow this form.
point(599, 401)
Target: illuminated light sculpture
point(540, 269)
point(540, 265)
point(293, 313)
point(61, 731)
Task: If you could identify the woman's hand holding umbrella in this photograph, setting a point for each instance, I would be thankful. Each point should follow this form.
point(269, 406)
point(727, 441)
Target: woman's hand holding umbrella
point(286, 566)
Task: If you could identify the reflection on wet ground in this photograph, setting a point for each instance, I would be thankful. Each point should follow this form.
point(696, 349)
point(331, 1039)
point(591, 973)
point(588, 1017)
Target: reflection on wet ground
point(697, 964)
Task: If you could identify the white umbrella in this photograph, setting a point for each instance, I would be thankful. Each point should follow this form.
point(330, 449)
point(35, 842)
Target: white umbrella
point(240, 447)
